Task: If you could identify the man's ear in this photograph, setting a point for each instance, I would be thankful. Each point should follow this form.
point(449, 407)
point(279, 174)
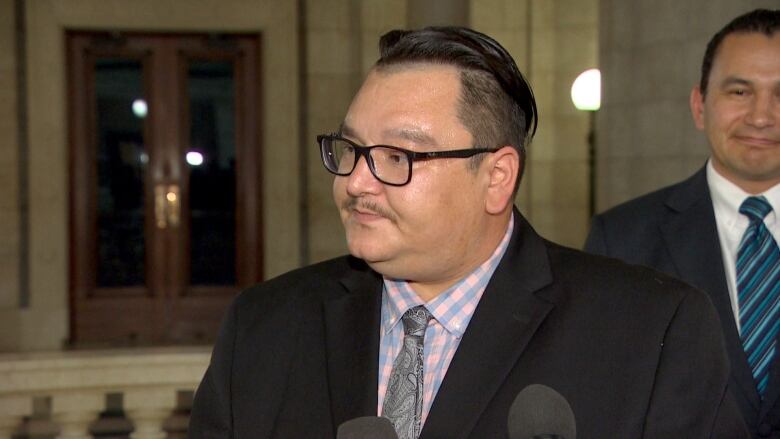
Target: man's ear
point(504, 170)
point(696, 102)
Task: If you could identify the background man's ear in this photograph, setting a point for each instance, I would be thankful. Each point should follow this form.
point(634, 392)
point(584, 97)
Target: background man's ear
point(696, 102)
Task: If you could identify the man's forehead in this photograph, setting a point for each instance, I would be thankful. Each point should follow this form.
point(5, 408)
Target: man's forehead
point(411, 133)
point(739, 44)
point(404, 103)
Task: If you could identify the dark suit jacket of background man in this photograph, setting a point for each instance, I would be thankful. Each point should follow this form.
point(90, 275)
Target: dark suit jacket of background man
point(674, 230)
point(297, 355)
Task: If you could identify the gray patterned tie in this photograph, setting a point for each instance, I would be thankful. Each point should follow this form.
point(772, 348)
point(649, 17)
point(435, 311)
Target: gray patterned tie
point(404, 396)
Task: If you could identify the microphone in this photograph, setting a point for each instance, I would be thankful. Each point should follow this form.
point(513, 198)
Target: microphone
point(367, 427)
point(540, 412)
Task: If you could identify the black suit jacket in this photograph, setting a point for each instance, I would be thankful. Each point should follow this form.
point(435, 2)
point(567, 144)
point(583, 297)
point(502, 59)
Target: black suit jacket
point(674, 230)
point(636, 353)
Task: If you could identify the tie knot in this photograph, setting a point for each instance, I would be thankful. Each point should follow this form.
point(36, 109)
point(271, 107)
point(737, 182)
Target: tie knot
point(755, 208)
point(415, 321)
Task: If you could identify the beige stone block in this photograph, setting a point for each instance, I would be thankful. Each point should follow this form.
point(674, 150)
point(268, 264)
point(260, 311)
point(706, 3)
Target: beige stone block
point(576, 13)
point(329, 98)
point(638, 176)
point(326, 231)
point(564, 225)
point(541, 182)
point(369, 51)
point(544, 85)
point(9, 187)
point(514, 41)
point(543, 15)
point(44, 326)
point(659, 74)
point(560, 183)
point(618, 25)
point(10, 328)
point(515, 14)
point(613, 182)
point(425, 13)
point(13, 408)
point(693, 54)
point(543, 147)
point(383, 14)
point(487, 15)
point(571, 142)
point(328, 15)
point(661, 128)
point(9, 272)
point(523, 196)
point(543, 50)
point(663, 20)
point(617, 135)
point(618, 75)
point(694, 141)
point(330, 51)
point(693, 163)
point(320, 190)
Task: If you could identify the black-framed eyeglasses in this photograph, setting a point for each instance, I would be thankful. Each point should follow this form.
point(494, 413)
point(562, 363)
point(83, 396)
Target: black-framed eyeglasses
point(389, 164)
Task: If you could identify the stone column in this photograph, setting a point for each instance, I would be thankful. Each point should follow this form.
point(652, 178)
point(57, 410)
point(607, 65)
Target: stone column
point(75, 412)
point(12, 410)
point(148, 408)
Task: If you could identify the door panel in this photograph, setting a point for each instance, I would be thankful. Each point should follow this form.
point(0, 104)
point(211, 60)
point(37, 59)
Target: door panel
point(165, 184)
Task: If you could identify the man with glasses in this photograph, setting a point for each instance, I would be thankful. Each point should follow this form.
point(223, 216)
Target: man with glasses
point(718, 230)
point(450, 304)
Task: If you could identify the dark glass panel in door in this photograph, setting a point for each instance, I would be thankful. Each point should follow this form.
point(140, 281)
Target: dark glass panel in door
point(121, 164)
point(211, 161)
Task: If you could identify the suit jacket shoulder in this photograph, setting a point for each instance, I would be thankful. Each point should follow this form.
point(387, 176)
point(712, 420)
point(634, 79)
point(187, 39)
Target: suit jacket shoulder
point(639, 230)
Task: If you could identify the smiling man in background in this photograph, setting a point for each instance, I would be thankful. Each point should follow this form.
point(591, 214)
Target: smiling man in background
point(719, 229)
point(450, 304)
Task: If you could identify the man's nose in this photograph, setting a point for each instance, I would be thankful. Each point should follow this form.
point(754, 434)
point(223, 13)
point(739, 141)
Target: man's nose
point(362, 180)
point(763, 111)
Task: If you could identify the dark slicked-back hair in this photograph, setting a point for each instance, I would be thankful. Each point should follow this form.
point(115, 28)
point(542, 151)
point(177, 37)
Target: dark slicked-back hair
point(762, 21)
point(496, 105)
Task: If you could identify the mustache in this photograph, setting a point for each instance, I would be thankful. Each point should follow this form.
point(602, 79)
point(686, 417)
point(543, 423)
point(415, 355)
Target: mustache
point(353, 203)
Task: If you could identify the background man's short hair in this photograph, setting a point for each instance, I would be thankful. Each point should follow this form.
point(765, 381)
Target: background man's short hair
point(763, 21)
point(496, 104)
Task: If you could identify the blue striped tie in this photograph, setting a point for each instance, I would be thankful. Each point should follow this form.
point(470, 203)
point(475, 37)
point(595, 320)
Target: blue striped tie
point(758, 287)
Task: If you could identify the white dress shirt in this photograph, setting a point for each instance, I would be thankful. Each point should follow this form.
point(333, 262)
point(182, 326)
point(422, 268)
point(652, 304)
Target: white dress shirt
point(726, 199)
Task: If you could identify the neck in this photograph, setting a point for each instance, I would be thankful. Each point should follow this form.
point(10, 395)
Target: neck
point(482, 251)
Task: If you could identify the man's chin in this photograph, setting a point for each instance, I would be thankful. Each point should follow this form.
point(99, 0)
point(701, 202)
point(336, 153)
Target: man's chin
point(372, 256)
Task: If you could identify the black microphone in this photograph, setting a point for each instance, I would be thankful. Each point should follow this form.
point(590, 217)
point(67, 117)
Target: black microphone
point(540, 412)
point(367, 427)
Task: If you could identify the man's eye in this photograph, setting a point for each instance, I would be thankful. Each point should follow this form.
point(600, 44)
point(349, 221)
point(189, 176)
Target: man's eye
point(396, 158)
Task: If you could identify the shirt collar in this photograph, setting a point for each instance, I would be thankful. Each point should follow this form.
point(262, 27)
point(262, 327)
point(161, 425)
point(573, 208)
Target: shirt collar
point(727, 197)
point(454, 307)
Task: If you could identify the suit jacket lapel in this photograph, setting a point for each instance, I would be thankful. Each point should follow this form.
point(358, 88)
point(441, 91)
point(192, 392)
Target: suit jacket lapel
point(352, 343)
point(688, 233)
point(505, 320)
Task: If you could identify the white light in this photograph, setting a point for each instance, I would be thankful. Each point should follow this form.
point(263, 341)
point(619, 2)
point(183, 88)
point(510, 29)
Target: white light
point(194, 158)
point(586, 90)
point(140, 109)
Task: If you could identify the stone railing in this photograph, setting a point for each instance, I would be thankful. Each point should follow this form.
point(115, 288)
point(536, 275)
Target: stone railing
point(76, 386)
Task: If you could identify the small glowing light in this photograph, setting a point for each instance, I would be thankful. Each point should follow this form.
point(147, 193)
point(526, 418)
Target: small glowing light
point(194, 158)
point(143, 158)
point(586, 90)
point(171, 196)
point(140, 109)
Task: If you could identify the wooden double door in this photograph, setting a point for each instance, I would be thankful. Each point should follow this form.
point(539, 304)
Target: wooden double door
point(165, 184)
